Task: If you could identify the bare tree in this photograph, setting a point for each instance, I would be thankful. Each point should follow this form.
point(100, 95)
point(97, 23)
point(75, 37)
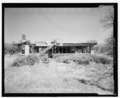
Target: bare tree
point(108, 20)
point(108, 23)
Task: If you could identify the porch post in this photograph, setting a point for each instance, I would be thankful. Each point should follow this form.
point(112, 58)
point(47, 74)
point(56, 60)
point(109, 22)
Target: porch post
point(57, 50)
point(90, 49)
point(85, 50)
point(61, 50)
point(52, 49)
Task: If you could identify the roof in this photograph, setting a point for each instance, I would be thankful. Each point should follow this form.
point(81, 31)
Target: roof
point(26, 43)
point(78, 44)
point(61, 44)
point(41, 43)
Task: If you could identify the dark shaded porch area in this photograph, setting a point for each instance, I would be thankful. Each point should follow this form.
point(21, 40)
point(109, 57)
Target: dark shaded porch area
point(72, 49)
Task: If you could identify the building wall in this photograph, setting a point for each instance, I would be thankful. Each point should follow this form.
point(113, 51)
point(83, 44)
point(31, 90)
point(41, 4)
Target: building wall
point(27, 49)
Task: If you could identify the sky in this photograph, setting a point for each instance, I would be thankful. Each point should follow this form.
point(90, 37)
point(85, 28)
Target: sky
point(72, 25)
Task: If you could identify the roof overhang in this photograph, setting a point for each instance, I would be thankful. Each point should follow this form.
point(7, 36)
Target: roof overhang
point(78, 44)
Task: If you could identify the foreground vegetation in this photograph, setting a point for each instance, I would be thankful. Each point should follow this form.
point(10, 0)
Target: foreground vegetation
point(84, 73)
point(98, 67)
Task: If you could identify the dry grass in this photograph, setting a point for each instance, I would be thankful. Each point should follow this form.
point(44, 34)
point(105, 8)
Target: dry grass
point(51, 77)
point(83, 58)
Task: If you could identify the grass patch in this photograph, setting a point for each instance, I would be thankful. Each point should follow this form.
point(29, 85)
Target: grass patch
point(26, 60)
point(83, 58)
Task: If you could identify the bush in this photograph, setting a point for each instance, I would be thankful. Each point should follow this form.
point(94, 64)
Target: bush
point(83, 61)
point(107, 47)
point(84, 58)
point(11, 48)
point(28, 60)
point(101, 59)
point(32, 59)
point(45, 59)
point(66, 61)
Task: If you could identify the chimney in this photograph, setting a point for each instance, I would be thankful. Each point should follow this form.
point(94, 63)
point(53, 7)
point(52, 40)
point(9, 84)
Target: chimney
point(23, 37)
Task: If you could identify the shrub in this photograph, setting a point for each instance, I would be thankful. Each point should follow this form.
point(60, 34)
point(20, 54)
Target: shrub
point(62, 58)
point(84, 58)
point(32, 59)
point(11, 48)
point(83, 61)
point(26, 60)
point(45, 59)
point(19, 61)
point(101, 59)
point(66, 61)
point(107, 47)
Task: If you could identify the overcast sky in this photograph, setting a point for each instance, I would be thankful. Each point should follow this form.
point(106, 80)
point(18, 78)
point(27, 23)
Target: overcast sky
point(64, 24)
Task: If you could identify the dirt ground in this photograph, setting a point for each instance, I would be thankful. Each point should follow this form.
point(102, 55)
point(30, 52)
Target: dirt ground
point(54, 77)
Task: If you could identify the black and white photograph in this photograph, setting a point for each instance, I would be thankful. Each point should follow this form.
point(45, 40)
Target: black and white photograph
point(59, 49)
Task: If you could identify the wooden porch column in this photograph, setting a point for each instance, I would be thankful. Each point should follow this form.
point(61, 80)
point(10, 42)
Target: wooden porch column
point(52, 50)
point(57, 49)
point(82, 49)
point(61, 50)
point(89, 49)
point(85, 50)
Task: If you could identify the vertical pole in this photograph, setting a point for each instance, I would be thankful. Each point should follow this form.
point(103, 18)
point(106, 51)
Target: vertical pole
point(90, 48)
point(60, 49)
point(63, 49)
point(83, 49)
point(52, 49)
point(57, 49)
point(87, 49)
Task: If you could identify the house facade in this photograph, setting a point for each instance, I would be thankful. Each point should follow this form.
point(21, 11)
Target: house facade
point(74, 48)
point(27, 48)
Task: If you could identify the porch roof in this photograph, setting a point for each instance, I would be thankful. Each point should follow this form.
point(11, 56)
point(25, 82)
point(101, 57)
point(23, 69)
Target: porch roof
point(79, 44)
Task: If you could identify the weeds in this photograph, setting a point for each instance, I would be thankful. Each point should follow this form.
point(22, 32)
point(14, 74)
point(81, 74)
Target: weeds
point(84, 59)
point(45, 59)
point(26, 60)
